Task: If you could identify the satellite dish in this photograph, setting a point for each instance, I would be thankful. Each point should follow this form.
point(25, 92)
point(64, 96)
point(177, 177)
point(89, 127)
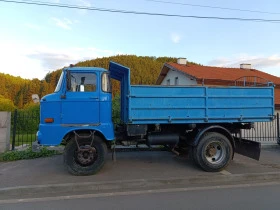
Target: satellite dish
point(35, 98)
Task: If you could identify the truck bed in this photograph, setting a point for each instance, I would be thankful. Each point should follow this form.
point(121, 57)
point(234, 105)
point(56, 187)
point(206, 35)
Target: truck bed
point(199, 104)
point(142, 104)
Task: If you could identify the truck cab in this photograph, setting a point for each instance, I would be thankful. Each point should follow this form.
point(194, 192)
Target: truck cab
point(82, 100)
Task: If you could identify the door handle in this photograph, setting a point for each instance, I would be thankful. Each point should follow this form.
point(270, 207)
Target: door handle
point(93, 97)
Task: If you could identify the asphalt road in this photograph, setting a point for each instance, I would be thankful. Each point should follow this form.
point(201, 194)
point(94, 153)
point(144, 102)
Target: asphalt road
point(251, 196)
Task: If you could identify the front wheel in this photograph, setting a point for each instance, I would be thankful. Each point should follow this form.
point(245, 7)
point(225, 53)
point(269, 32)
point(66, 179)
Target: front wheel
point(87, 160)
point(213, 152)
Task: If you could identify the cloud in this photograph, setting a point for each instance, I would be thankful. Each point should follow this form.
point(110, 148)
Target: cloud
point(84, 3)
point(36, 61)
point(64, 23)
point(269, 64)
point(52, 59)
point(15, 62)
point(175, 38)
point(257, 62)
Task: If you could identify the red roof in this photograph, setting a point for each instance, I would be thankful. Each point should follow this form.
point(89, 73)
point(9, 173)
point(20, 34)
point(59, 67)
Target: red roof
point(220, 75)
point(277, 97)
point(230, 74)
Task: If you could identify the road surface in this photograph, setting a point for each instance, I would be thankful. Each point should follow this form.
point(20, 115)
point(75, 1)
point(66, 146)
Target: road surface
point(243, 196)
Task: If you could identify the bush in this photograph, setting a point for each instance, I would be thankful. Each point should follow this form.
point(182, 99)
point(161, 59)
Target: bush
point(6, 104)
point(32, 107)
point(116, 109)
point(26, 154)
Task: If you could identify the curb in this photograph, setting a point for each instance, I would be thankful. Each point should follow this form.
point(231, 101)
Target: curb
point(269, 146)
point(120, 185)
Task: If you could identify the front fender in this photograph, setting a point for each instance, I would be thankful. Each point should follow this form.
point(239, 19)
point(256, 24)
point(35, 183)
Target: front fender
point(52, 135)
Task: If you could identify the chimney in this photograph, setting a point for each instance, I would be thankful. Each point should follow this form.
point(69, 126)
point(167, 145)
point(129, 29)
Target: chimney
point(245, 66)
point(182, 61)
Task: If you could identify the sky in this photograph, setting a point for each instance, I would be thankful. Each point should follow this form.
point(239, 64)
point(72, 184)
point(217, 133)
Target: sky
point(35, 40)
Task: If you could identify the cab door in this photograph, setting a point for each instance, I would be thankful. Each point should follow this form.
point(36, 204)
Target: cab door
point(81, 106)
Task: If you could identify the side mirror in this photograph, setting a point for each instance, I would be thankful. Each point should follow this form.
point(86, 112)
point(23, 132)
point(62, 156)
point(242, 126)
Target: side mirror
point(35, 98)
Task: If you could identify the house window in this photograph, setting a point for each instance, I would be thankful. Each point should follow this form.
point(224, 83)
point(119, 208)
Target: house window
point(176, 82)
point(168, 82)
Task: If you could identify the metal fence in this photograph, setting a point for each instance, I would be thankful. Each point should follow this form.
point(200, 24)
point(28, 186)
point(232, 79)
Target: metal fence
point(264, 132)
point(24, 127)
point(252, 81)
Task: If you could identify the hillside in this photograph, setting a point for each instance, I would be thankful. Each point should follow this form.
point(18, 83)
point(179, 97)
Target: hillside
point(16, 92)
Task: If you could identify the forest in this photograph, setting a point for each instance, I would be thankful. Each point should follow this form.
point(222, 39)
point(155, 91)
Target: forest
point(16, 92)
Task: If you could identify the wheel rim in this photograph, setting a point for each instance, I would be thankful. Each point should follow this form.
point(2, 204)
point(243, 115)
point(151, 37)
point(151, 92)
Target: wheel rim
point(86, 156)
point(215, 152)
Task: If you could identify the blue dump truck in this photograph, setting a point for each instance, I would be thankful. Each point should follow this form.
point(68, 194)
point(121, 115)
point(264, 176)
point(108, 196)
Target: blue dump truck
point(205, 121)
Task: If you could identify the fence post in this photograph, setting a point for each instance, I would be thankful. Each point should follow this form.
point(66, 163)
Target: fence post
point(278, 129)
point(14, 129)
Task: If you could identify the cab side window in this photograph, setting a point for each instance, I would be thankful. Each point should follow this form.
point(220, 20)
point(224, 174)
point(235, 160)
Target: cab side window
point(83, 82)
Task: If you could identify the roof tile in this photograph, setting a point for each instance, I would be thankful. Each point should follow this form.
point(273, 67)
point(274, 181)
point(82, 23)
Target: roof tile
point(221, 73)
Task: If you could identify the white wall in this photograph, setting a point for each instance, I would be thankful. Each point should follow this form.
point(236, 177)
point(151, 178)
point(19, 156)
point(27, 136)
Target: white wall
point(183, 79)
point(5, 126)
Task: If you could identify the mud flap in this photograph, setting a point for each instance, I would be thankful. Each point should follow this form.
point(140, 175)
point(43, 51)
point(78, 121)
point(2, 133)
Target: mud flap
point(248, 148)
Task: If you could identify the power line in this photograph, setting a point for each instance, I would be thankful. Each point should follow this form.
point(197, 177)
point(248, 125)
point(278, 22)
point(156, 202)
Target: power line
point(38, 3)
point(214, 7)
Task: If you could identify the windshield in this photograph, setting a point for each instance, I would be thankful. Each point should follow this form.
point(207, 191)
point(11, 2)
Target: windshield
point(58, 86)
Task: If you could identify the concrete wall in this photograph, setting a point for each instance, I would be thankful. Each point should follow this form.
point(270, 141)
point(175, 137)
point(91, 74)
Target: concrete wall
point(182, 78)
point(5, 127)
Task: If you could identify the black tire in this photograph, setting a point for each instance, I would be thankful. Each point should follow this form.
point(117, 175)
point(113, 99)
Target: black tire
point(90, 165)
point(191, 154)
point(213, 152)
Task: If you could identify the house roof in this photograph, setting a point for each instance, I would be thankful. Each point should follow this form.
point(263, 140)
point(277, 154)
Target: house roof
point(219, 75)
point(277, 98)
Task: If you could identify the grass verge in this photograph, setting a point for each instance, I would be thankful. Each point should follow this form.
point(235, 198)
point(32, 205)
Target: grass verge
point(27, 154)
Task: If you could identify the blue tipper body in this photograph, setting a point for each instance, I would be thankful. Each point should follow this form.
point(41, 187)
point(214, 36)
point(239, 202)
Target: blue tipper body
point(191, 104)
point(148, 105)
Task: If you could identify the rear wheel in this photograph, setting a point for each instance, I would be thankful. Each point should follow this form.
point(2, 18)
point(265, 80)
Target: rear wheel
point(88, 159)
point(191, 154)
point(213, 152)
